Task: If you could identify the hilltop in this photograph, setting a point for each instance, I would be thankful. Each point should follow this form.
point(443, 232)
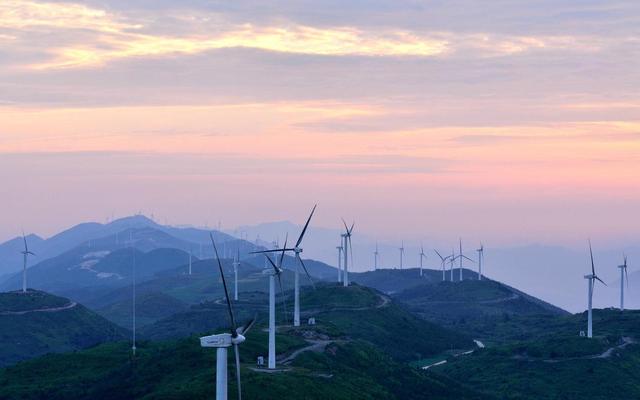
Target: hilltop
point(356, 350)
point(37, 323)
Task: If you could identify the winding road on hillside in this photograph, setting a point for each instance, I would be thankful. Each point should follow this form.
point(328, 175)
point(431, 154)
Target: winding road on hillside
point(45, 310)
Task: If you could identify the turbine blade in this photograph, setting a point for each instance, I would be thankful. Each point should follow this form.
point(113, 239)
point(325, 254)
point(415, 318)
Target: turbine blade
point(351, 229)
point(305, 270)
point(593, 267)
point(346, 228)
point(247, 326)
point(270, 251)
point(626, 276)
point(442, 258)
point(305, 226)
point(601, 281)
point(275, 267)
point(282, 255)
point(468, 258)
point(284, 300)
point(226, 292)
point(236, 350)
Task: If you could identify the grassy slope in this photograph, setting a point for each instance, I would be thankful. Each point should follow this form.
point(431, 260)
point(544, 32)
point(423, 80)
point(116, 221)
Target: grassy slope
point(559, 364)
point(36, 333)
point(355, 312)
point(181, 369)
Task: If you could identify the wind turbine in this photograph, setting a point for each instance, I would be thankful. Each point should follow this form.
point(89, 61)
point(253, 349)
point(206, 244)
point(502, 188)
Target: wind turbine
point(297, 250)
point(461, 256)
point(225, 340)
point(480, 260)
point(236, 264)
point(375, 258)
point(133, 288)
point(339, 248)
point(277, 272)
point(422, 255)
point(591, 278)
point(452, 259)
point(26, 253)
point(347, 248)
point(623, 278)
point(443, 261)
point(401, 253)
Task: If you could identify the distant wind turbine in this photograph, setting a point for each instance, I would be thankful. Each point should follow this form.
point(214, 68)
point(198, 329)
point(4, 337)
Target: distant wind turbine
point(452, 259)
point(480, 260)
point(422, 255)
point(190, 257)
point(401, 253)
point(375, 258)
point(624, 278)
point(591, 278)
point(348, 250)
point(225, 340)
point(460, 257)
point(26, 253)
point(236, 264)
point(443, 261)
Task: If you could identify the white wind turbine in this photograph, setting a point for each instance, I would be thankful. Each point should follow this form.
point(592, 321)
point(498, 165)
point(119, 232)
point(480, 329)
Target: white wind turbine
point(422, 255)
point(460, 257)
point(277, 273)
point(401, 253)
point(375, 258)
point(225, 340)
point(133, 296)
point(452, 259)
point(236, 264)
point(339, 248)
point(443, 261)
point(296, 250)
point(591, 280)
point(26, 253)
point(623, 278)
point(348, 249)
point(480, 260)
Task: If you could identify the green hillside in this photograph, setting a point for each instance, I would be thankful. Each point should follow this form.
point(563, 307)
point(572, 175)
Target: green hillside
point(350, 313)
point(343, 369)
point(559, 364)
point(37, 323)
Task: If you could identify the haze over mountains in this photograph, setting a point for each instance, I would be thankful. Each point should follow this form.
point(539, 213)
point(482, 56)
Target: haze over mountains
point(553, 274)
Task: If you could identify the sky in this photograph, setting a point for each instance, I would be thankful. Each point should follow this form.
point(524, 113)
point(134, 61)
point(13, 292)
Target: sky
point(508, 121)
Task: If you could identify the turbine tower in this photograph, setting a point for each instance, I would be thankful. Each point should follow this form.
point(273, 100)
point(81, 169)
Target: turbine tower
point(296, 250)
point(339, 248)
point(348, 249)
point(375, 258)
point(26, 253)
point(225, 340)
point(480, 260)
point(236, 264)
point(422, 255)
point(401, 253)
point(623, 278)
point(443, 261)
point(190, 257)
point(591, 281)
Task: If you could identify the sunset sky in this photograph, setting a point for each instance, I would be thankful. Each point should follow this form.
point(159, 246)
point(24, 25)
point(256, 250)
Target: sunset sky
point(507, 121)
